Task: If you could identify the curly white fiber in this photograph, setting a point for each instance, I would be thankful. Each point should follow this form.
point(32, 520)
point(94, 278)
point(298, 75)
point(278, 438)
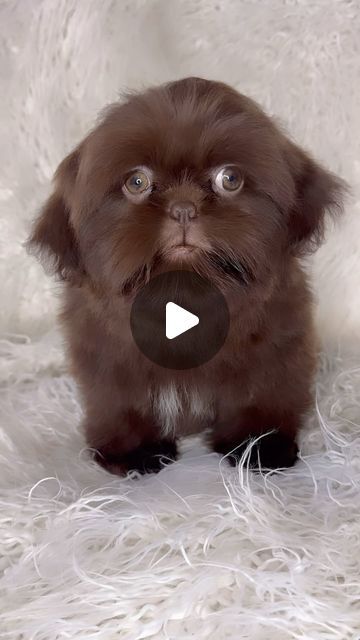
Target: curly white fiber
point(200, 550)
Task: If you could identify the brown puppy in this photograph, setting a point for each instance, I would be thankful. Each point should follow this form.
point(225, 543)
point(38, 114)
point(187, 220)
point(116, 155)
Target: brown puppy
point(191, 175)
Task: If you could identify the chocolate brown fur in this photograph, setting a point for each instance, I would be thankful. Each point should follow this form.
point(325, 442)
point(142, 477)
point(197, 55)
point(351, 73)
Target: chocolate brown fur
point(105, 248)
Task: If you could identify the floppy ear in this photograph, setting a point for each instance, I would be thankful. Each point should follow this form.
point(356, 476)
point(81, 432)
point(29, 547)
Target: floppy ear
point(317, 193)
point(53, 238)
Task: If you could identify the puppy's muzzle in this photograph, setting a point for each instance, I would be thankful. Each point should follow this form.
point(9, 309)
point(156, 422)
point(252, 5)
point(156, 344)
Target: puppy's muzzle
point(183, 212)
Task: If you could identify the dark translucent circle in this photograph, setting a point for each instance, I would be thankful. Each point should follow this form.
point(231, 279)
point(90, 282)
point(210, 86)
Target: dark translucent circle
point(195, 294)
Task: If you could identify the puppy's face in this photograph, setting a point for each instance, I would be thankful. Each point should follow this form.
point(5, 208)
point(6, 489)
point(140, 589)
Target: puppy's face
point(190, 175)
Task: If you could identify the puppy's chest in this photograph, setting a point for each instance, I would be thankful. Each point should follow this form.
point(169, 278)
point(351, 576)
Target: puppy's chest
point(178, 407)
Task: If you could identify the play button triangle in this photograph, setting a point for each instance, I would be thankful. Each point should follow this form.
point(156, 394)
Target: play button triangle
point(178, 320)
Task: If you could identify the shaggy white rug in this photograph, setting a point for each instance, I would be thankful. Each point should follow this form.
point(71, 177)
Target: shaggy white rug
point(200, 550)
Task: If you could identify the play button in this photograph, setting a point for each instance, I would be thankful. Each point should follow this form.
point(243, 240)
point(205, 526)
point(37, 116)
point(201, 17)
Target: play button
point(179, 320)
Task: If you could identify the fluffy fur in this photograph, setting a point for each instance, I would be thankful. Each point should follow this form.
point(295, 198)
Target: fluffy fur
point(170, 402)
point(106, 242)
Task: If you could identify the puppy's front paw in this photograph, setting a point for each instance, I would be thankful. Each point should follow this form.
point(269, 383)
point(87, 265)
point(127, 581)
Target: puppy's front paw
point(148, 458)
point(273, 451)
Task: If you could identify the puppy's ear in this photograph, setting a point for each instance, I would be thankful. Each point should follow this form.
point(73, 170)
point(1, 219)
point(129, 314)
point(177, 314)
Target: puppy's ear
point(53, 240)
point(317, 193)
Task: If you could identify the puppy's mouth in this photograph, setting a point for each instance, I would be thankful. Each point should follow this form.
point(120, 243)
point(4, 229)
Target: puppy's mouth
point(211, 261)
point(181, 250)
point(222, 267)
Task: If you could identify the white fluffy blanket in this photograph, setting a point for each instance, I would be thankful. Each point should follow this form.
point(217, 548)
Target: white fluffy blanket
point(200, 550)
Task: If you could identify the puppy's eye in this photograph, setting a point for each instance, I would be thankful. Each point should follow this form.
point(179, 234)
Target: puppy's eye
point(228, 179)
point(138, 183)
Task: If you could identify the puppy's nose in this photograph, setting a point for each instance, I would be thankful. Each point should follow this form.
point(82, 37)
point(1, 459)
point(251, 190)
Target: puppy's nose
point(183, 212)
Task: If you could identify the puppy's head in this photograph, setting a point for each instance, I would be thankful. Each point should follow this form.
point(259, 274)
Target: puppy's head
point(189, 175)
